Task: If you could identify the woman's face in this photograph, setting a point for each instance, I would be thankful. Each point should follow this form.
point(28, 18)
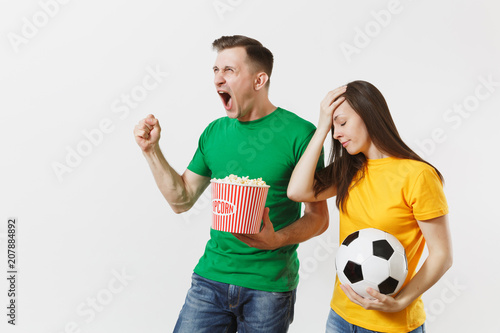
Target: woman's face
point(350, 130)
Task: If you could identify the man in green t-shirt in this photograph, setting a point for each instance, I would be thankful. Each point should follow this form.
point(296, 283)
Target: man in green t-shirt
point(242, 282)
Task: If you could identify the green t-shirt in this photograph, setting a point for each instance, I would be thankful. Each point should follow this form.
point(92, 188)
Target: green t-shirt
point(267, 148)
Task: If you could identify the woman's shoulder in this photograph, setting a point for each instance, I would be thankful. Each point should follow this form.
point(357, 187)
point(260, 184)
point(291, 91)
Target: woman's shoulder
point(412, 164)
point(409, 167)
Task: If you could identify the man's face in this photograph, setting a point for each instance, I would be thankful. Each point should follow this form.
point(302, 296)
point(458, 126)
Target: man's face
point(234, 81)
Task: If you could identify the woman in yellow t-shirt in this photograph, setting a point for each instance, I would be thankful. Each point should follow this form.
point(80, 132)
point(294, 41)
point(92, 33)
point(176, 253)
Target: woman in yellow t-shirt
point(379, 182)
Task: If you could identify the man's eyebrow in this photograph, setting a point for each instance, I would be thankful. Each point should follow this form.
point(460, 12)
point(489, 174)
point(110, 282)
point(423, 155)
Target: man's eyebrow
point(225, 67)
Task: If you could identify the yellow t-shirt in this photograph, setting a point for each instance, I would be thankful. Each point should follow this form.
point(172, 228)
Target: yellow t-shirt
point(392, 196)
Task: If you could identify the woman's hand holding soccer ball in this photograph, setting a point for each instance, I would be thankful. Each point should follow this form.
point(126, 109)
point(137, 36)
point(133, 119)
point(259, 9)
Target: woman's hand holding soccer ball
point(380, 302)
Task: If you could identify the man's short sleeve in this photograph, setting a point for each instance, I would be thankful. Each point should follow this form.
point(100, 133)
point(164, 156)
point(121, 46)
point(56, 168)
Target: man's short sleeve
point(303, 146)
point(198, 164)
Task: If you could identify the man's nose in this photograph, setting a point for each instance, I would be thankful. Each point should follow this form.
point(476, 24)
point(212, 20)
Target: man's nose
point(219, 79)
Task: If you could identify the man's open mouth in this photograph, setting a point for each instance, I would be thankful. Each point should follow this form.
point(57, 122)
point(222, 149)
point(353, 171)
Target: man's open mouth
point(226, 99)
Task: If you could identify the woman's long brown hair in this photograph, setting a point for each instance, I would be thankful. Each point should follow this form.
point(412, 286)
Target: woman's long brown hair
point(342, 169)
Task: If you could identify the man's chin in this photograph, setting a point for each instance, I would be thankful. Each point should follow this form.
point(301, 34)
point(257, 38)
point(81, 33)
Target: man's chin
point(232, 114)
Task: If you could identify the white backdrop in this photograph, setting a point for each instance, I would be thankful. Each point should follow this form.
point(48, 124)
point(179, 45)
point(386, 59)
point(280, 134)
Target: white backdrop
point(99, 250)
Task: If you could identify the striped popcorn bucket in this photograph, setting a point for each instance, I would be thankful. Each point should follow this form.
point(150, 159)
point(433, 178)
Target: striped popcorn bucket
point(238, 208)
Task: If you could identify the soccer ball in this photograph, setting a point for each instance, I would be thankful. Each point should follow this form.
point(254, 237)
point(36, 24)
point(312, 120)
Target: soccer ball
point(372, 258)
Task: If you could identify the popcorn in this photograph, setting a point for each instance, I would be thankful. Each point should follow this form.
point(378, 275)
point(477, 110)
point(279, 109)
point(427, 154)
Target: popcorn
point(238, 204)
point(233, 179)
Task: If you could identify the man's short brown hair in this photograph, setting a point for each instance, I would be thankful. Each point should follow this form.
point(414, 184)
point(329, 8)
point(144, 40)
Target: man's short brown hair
point(259, 56)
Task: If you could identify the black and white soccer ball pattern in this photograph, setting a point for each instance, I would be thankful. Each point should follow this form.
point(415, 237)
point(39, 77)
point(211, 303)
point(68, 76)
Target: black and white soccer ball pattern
point(372, 258)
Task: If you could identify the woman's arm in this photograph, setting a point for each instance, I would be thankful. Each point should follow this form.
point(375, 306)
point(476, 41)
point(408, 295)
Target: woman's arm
point(301, 183)
point(437, 236)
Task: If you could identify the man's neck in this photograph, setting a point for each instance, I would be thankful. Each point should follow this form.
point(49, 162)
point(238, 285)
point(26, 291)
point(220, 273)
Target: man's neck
point(259, 110)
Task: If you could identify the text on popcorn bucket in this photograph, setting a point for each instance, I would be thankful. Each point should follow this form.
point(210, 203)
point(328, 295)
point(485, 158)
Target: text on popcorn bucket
point(222, 207)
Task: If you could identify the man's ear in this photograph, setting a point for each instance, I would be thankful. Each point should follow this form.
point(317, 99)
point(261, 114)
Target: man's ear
point(260, 80)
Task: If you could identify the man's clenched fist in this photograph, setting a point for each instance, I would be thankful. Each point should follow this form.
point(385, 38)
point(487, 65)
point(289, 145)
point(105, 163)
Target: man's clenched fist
point(147, 133)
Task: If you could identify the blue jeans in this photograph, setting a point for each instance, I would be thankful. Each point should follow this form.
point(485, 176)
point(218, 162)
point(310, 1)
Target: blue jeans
point(213, 307)
point(337, 324)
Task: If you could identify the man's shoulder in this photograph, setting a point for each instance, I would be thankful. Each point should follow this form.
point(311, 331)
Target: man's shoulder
point(222, 121)
point(291, 118)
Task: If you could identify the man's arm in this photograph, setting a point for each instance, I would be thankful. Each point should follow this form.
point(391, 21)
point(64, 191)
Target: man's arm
point(313, 223)
point(180, 191)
